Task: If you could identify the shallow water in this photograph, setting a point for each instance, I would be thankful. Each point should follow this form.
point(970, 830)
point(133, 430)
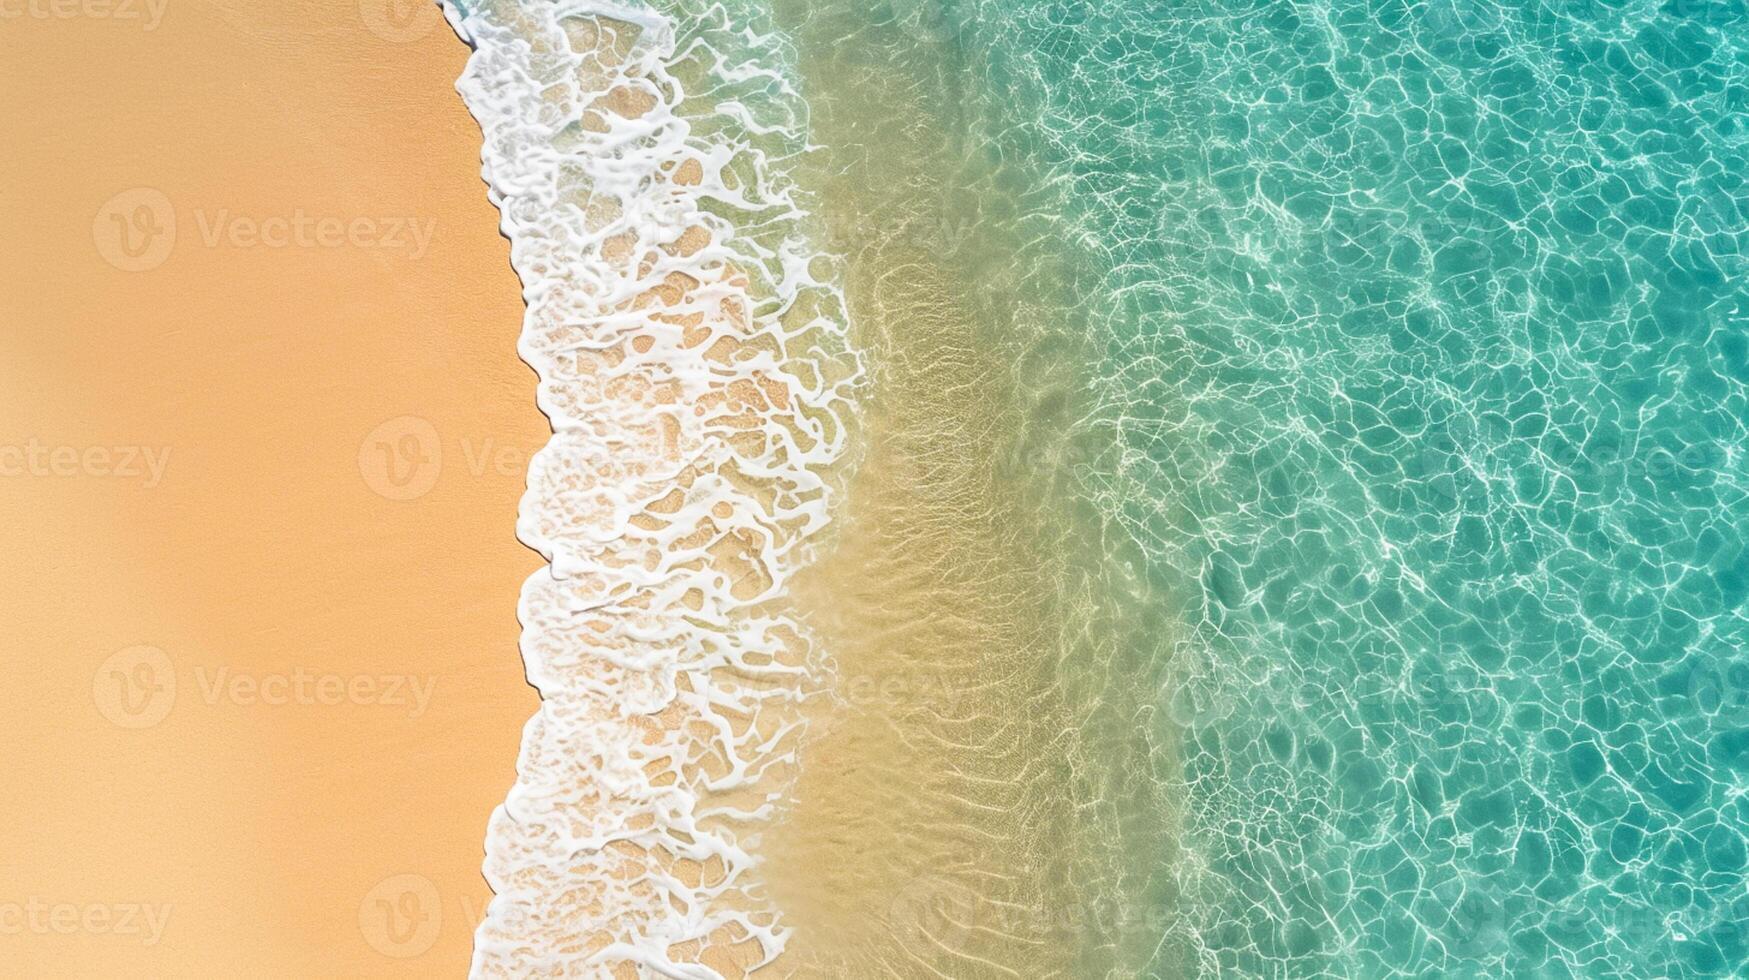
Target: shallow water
point(1423, 334)
point(1292, 518)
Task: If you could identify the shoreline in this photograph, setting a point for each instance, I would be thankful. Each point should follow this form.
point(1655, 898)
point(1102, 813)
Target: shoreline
point(687, 366)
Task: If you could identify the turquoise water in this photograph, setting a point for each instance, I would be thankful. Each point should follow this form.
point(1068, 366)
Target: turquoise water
point(1423, 345)
point(1307, 467)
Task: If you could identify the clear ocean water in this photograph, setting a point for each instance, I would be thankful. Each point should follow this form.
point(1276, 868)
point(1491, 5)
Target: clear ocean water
point(1304, 446)
point(1420, 338)
point(1416, 339)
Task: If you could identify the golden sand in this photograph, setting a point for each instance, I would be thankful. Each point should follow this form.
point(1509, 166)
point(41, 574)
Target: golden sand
point(225, 451)
point(313, 381)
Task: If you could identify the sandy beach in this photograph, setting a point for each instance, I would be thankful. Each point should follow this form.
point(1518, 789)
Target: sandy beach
point(263, 437)
point(1051, 489)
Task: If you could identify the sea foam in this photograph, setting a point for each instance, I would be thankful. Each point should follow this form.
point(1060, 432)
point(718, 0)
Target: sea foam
point(690, 343)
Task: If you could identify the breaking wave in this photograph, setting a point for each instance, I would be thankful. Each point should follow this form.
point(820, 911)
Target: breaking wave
point(690, 343)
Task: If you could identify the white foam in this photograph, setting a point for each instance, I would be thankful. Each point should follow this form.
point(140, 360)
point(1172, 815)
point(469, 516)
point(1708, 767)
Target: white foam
point(695, 372)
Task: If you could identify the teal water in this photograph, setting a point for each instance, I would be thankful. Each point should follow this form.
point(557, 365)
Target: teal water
point(1303, 525)
point(1422, 342)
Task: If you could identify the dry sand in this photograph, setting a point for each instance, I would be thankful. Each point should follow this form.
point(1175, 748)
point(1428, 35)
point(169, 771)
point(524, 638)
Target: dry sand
point(251, 821)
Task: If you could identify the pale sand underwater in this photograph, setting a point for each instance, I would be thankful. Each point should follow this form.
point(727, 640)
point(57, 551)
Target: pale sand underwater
point(318, 368)
point(977, 790)
point(986, 798)
point(1041, 488)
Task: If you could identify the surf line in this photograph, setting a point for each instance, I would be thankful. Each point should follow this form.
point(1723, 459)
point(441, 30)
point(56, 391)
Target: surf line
point(698, 380)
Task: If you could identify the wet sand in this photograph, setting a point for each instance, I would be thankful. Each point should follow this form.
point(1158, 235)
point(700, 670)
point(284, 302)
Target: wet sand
point(259, 479)
point(980, 798)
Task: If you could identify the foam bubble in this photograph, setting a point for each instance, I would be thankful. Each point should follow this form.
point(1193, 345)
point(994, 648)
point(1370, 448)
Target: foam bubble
point(690, 346)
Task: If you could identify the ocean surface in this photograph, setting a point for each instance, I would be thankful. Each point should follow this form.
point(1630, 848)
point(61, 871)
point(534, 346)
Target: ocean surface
point(1282, 511)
